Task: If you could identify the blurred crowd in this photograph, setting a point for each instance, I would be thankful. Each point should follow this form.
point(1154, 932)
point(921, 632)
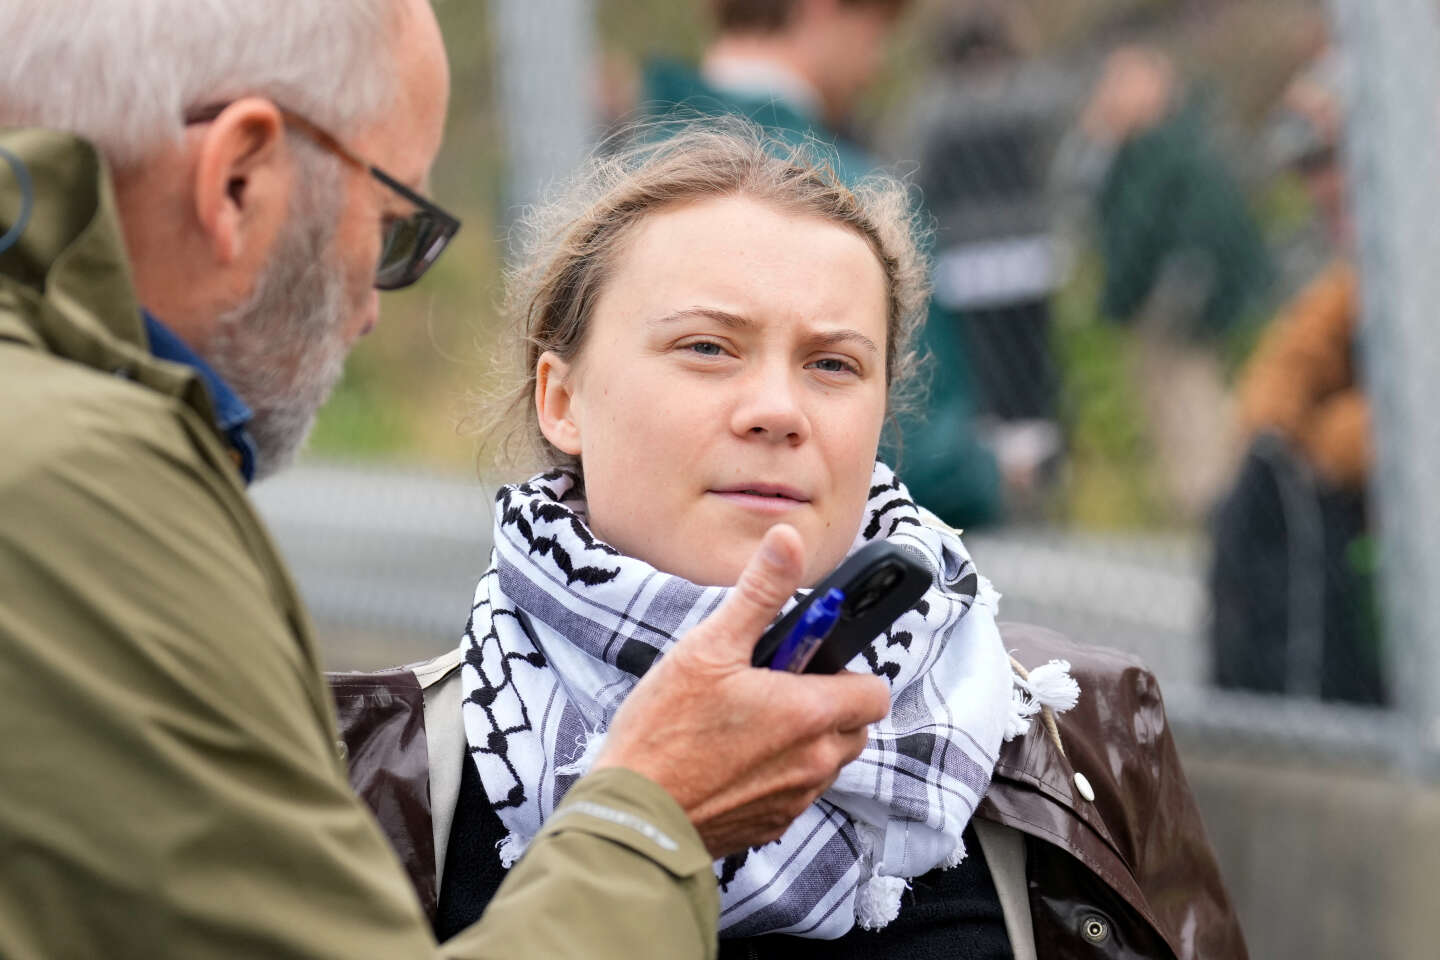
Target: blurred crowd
point(1109, 169)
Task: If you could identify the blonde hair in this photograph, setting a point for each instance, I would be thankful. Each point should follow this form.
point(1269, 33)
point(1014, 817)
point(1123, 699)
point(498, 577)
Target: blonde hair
point(567, 249)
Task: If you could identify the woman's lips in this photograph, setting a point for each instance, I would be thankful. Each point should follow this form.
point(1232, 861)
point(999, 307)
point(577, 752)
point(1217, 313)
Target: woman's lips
point(764, 498)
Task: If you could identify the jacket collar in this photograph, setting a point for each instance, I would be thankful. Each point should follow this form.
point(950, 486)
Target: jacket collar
point(232, 416)
point(669, 84)
point(677, 92)
point(65, 283)
point(759, 80)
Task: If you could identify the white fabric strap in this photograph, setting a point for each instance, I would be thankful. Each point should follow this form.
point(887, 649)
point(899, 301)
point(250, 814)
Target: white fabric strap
point(1004, 849)
point(445, 741)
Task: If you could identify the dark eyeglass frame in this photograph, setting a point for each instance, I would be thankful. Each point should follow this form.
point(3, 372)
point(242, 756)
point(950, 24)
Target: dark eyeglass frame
point(408, 245)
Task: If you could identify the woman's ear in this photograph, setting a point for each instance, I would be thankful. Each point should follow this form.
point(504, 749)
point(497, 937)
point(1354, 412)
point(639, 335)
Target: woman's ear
point(555, 403)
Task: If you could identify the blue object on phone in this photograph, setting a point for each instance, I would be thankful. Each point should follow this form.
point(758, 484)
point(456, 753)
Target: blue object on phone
point(807, 635)
point(879, 582)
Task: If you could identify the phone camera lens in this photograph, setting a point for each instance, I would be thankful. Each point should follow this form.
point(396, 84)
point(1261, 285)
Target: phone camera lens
point(874, 589)
point(861, 603)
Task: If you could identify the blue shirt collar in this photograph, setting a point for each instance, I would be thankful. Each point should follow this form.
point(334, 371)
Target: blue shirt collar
point(232, 417)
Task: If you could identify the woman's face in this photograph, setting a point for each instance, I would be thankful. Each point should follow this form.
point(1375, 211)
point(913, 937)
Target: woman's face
point(733, 377)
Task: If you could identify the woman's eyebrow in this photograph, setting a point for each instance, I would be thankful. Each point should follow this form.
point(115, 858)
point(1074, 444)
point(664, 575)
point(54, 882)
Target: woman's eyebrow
point(725, 318)
point(735, 321)
point(835, 338)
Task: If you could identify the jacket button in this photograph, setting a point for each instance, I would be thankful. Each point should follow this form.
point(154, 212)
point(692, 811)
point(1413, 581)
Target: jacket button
point(1095, 929)
point(1083, 785)
point(341, 750)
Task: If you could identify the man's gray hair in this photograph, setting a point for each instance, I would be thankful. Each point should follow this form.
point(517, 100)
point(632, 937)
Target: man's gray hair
point(122, 73)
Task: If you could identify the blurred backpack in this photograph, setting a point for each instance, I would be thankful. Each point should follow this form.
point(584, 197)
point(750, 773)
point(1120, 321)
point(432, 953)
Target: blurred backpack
point(1292, 583)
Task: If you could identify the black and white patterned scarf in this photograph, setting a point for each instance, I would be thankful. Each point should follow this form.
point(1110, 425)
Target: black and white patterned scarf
point(563, 626)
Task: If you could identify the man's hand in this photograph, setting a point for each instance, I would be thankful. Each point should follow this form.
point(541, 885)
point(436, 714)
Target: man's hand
point(743, 750)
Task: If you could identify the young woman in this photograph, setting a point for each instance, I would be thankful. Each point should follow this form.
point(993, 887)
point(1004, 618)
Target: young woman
point(712, 331)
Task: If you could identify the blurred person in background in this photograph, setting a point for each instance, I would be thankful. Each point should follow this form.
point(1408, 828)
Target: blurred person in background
point(198, 206)
point(1292, 578)
point(984, 130)
point(1184, 260)
point(797, 68)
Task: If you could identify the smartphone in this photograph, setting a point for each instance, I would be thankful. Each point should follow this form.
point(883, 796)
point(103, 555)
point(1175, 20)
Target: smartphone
point(879, 582)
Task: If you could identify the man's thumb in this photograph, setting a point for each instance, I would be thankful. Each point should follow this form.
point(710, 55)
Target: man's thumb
point(768, 580)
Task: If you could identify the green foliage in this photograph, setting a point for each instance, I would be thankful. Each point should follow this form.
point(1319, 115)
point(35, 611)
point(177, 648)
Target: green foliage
point(652, 27)
point(399, 398)
point(359, 423)
point(1110, 482)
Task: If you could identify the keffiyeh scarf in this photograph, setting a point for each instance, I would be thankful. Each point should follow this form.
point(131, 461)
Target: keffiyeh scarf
point(563, 626)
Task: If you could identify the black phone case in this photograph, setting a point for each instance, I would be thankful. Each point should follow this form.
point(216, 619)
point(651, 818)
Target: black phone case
point(870, 605)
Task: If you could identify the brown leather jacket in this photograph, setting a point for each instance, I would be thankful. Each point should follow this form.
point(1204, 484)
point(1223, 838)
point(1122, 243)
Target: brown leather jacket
point(1129, 874)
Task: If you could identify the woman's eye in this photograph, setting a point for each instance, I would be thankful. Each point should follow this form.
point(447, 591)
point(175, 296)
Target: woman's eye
point(834, 365)
point(705, 348)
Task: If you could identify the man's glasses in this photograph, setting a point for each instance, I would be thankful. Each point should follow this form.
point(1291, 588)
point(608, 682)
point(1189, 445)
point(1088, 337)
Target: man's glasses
point(408, 245)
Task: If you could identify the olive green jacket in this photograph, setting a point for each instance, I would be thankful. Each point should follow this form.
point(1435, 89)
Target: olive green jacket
point(169, 783)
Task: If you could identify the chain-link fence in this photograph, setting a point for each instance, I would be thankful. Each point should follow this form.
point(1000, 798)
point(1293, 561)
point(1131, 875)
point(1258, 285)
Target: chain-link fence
point(1189, 253)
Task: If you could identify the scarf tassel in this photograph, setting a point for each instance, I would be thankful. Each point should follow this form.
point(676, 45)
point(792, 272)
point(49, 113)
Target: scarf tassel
point(879, 901)
point(956, 856)
point(510, 849)
point(589, 744)
point(1048, 685)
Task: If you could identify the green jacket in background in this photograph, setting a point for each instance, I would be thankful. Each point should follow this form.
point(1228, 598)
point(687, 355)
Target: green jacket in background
point(1168, 194)
point(170, 783)
point(936, 450)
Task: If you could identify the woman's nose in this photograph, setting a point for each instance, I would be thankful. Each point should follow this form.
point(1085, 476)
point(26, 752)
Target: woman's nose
point(770, 408)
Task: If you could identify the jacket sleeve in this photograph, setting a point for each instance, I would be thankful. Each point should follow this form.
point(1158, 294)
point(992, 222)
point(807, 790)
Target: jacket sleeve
point(618, 871)
point(171, 777)
point(1303, 357)
point(1169, 193)
point(1301, 380)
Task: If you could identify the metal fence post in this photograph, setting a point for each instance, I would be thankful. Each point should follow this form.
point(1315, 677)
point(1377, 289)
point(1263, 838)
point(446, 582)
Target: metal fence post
point(1392, 52)
point(545, 56)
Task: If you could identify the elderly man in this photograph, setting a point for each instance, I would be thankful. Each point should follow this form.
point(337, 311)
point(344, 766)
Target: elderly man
point(167, 330)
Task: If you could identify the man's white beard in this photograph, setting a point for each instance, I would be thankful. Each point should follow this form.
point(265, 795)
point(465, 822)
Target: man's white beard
point(283, 350)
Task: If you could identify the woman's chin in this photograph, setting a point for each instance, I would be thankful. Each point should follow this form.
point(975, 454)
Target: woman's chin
point(717, 572)
point(716, 564)
point(717, 556)
point(722, 566)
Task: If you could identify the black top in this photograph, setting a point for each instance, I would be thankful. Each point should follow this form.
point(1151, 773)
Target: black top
point(949, 913)
point(945, 914)
point(472, 865)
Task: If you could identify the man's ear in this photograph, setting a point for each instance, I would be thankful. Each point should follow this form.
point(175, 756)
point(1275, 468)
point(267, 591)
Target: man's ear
point(554, 403)
point(242, 179)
